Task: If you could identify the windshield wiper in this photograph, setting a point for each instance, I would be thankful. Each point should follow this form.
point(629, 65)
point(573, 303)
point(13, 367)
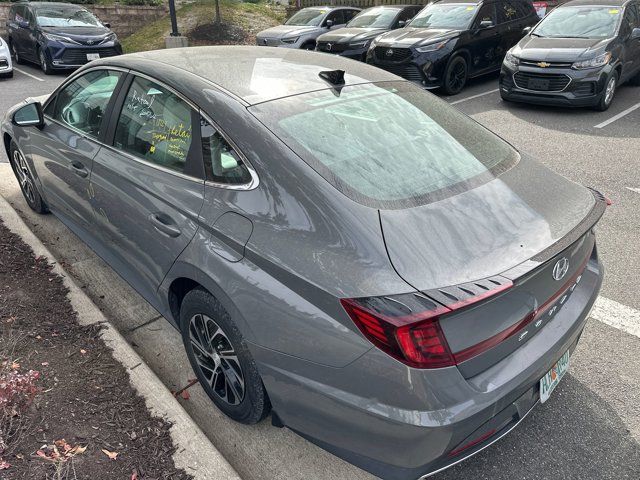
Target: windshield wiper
point(537, 35)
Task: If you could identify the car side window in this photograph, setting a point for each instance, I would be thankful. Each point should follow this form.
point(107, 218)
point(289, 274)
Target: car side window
point(486, 13)
point(349, 14)
point(407, 14)
point(222, 163)
point(337, 17)
point(155, 125)
point(631, 17)
point(82, 103)
point(507, 12)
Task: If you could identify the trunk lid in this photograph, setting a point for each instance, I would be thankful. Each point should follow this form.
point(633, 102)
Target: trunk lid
point(501, 240)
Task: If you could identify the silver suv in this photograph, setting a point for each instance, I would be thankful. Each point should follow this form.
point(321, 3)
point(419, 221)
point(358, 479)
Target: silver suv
point(302, 29)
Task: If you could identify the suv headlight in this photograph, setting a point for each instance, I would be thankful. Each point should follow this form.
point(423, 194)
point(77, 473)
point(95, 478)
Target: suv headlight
point(373, 43)
point(596, 62)
point(432, 47)
point(290, 40)
point(360, 44)
point(511, 60)
point(112, 37)
point(58, 38)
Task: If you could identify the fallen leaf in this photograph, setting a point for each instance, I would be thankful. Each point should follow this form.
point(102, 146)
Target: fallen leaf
point(77, 450)
point(111, 455)
point(19, 456)
point(38, 337)
point(83, 351)
point(134, 475)
point(5, 466)
point(45, 364)
point(185, 395)
point(15, 366)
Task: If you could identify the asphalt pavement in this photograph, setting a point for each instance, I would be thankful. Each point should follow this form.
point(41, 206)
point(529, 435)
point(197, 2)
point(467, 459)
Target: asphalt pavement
point(589, 429)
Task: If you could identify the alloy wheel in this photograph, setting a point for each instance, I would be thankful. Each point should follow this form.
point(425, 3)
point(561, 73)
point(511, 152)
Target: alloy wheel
point(43, 62)
point(217, 359)
point(610, 91)
point(24, 176)
point(457, 77)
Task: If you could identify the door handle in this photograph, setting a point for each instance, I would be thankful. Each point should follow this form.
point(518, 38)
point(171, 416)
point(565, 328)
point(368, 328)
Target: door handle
point(164, 224)
point(78, 169)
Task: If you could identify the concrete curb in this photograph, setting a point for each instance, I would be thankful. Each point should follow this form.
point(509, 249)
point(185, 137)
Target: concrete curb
point(195, 453)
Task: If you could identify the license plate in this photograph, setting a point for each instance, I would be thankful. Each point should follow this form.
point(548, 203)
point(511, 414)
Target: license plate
point(550, 381)
point(538, 84)
point(93, 56)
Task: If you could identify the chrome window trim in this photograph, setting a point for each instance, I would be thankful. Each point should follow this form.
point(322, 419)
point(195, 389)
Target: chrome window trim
point(255, 181)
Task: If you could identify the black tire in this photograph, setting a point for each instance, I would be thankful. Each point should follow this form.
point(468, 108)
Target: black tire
point(455, 75)
point(7, 75)
point(635, 81)
point(45, 62)
point(25, 179)
point(605, 99)
point(309, 46)
point(16, 57)
point(245, 399)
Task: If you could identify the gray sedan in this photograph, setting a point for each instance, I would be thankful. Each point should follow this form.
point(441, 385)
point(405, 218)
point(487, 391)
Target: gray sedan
point(338, 247)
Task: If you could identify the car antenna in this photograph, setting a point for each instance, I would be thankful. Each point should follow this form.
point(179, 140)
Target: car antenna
point(334, 77)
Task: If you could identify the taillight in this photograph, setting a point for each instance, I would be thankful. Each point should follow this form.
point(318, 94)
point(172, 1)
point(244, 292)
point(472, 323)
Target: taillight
point(405, 327)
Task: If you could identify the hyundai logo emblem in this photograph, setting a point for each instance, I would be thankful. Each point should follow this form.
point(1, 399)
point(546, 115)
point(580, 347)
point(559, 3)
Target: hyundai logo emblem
point(389, 52)
point(560, 269)
point(264, 40)
point(329, 46)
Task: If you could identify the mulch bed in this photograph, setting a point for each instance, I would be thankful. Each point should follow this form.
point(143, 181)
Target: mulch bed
point(221, 34)
point(84, 395)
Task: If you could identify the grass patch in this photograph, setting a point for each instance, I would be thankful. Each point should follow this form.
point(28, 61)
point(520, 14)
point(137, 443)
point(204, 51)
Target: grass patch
point(250, 17)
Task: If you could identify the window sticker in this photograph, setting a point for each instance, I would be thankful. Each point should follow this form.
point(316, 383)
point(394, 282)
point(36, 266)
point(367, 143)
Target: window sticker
point(614, 11)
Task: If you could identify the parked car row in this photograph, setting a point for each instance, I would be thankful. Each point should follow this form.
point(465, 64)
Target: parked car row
point(57, 36)
point(577, 55)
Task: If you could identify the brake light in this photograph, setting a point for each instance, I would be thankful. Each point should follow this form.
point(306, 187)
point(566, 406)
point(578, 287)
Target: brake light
point(407, 327)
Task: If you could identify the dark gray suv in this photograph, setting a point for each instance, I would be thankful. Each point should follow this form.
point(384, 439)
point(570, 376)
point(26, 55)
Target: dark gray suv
point(387, 277)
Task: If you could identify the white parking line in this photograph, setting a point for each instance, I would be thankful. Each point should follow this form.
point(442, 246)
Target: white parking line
point(475, 96)
point(28, 74)
point(637, 190)
point(617, 315)
point(618, 116)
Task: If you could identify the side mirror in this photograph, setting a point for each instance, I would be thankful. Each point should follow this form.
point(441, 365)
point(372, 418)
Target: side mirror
point(401, 23)
point(29, 116)
point(527, 30)
point(228, 162)
point(486, 24)
point(635, 33)
point(106, 24)
point(329, 23)
point(23, 23)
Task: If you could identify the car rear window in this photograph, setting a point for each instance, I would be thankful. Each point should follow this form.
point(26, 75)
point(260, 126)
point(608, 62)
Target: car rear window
point(388, 145)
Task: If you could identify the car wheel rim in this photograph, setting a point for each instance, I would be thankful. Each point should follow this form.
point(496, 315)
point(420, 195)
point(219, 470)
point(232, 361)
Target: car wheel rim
point(457, 76)
point(24, 177)
point(217, 359)
point(43, 62)
point(611, 89)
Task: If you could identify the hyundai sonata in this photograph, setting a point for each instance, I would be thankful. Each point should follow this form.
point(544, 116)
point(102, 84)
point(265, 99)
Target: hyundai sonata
point(387, 277)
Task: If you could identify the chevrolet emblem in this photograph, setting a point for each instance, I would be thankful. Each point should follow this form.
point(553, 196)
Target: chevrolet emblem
point(543, 64)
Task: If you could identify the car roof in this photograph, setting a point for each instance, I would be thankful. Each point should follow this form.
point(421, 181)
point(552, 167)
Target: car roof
point(251, 73)
point(605, 3)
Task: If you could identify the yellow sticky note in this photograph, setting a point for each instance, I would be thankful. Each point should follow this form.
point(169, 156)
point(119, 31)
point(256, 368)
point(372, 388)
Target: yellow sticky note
point(470, 8)
point(614, 11)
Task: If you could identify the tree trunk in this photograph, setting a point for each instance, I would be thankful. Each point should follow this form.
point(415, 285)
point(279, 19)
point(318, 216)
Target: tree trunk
point(217, 18)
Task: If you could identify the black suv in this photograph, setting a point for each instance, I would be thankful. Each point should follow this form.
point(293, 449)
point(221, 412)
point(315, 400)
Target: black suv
point(452, 40)
point(354, 39)
point(577, 56)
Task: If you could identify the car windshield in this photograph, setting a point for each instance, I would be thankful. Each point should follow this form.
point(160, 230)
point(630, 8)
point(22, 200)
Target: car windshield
point(446, 15)
point(375, 18)
point(308, 17)
point(580, 22)
point(429, 151)
point(66, 17)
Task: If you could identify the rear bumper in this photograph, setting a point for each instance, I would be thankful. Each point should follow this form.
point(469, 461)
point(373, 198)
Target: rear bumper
point(585, 88)
point(401, 423)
